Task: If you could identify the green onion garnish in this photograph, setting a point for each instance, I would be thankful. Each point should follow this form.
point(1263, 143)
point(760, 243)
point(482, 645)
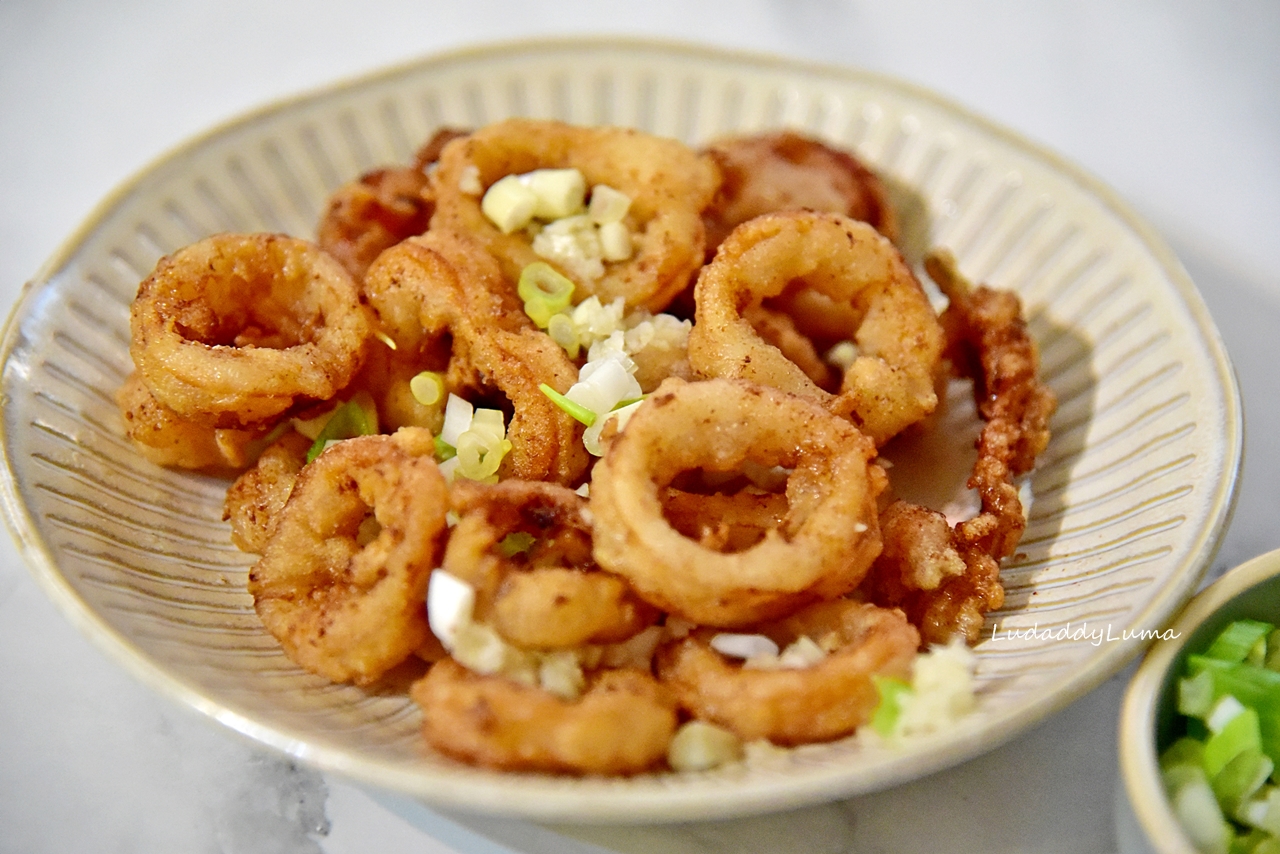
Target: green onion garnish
point(545, 290)
point(349, 420)
point(577, 410)
point(517, 542)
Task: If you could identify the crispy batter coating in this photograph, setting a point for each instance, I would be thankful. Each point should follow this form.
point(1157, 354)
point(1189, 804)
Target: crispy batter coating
point(167, 439)
point(255, 498)
point(785, 170)
point(547, 593)
point(235, 329)
point(891, 383)
point(342, 580)
point(947, 579)
point(621, 724)
point(826, 541)
point(669, 185)
point(381, 208)
point(824, 701)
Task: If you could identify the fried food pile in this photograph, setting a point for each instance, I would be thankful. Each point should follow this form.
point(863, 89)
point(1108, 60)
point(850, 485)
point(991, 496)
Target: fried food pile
point(586, 425)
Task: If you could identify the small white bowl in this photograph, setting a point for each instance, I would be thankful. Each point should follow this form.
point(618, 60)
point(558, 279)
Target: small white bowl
point(1144, 818)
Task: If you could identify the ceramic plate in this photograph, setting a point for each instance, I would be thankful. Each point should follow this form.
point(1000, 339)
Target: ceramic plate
point(1130, 499)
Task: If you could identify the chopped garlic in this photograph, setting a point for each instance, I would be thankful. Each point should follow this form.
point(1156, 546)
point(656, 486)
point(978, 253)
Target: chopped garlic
point(801, 653)
point(614, 239)
point(743, 646)
point(607, 205)
point(942, 690)
point(551, 204)
point(469, 180)
point(700, 746)
point(574, 244)
point(509, 204)
point(560, 192)
point(560, 673)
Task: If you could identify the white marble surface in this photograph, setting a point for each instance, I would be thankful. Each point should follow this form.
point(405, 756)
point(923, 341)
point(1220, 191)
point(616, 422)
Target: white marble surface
point(1176, 104)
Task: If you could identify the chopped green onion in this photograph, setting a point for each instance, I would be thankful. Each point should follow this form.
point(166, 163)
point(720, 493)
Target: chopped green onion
point(545, 290)
point(577, 410)
point(1195, 695)
point(892, 692)
point(427, 388)
point(444, 451)
point(517, 542)
point(1217, 774)
point(385, 338)
point(1243, 640)
point(349, 420)
point(1240, 734)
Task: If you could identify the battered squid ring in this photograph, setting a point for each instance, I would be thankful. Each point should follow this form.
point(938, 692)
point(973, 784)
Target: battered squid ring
point(234, 329)
point(167, 439)
point(343, 608)
point(824, 701)
point(441, 287)
point(669, 185)
point(381, 208)
point(622, 723)
point(891, 384)
point(828, 537)
point(551, 595)
point(785, 170)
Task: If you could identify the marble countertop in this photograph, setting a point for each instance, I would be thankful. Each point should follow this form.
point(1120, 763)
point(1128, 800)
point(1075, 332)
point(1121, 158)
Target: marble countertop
point(1176, 105)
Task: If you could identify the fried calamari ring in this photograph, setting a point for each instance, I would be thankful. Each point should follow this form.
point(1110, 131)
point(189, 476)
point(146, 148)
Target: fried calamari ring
point(234, 329)
point(442, 287)
point(891, 384)
point(826, 541)
point(785, 170)
point(668, 183)
point(255, 498)
point(167, 439)
point(947, 578)
point(824, 701)
point(381, 208)
point(342, 580)
point(621, 724)
point(546, 591)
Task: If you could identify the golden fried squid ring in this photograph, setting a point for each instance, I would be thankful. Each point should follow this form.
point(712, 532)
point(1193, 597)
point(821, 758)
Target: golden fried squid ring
point(785, 170)
point(823, 701)
point(946, 578)
point(826, 541)
point(255, 498)
point(669, 185)
point(344, 595)
point(525, 546)
point(622, 723)
point(380, 209)
point(891, 384)
point(441, 286)
point(167, 439)
point(235, 329)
